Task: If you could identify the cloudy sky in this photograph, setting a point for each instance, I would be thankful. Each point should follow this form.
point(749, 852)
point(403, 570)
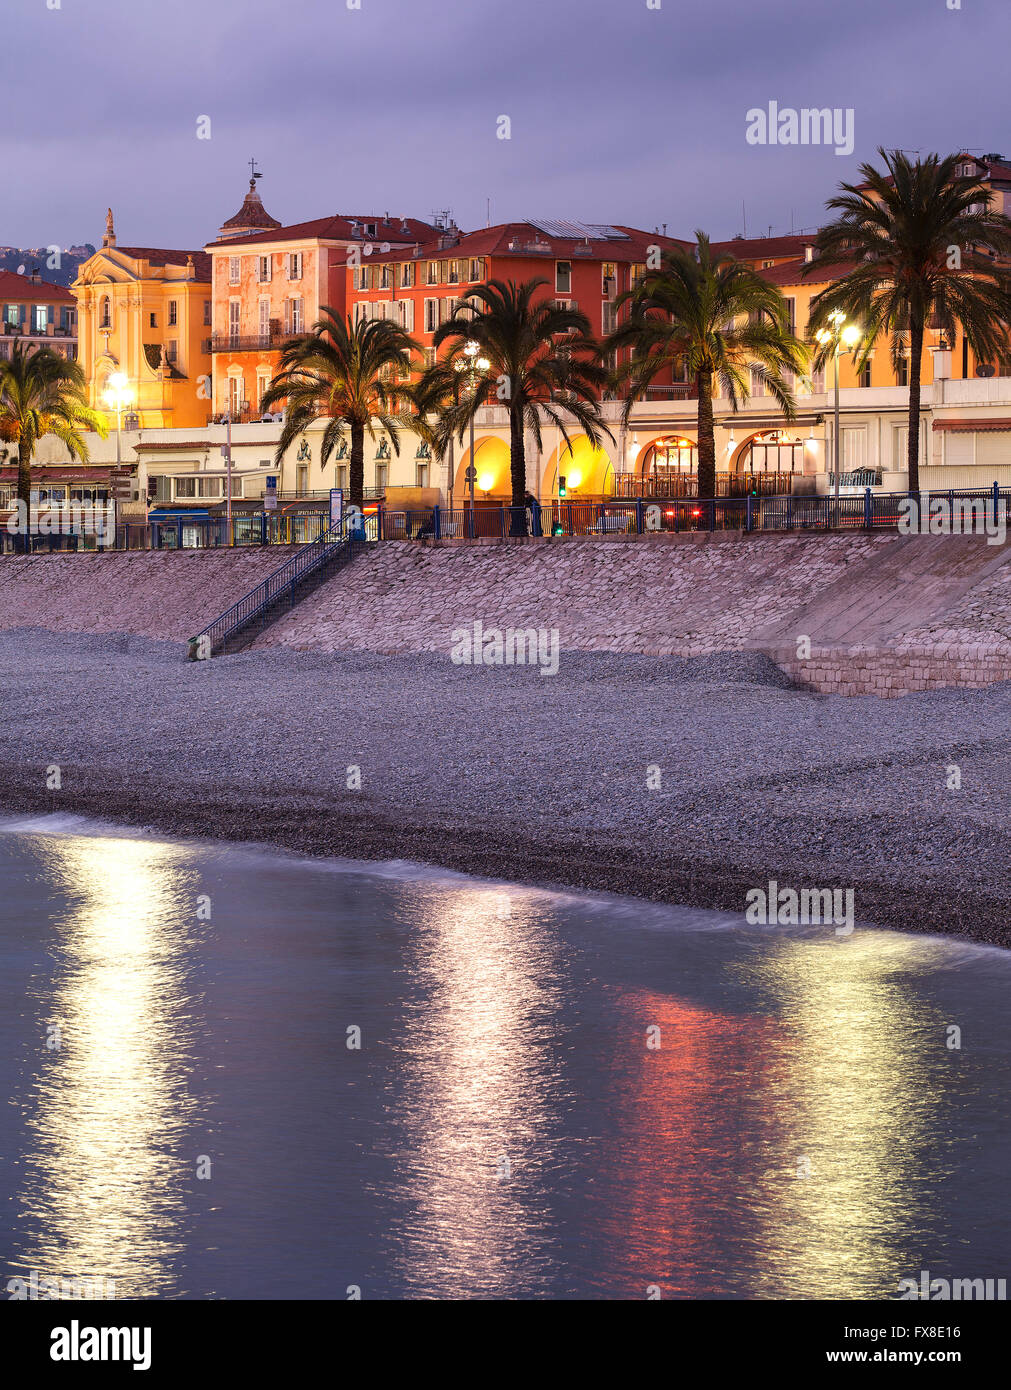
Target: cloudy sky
point(618, 112)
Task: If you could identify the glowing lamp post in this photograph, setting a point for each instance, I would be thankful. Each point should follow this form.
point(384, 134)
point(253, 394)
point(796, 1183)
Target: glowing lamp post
point(840, 334)
point(474, 367)
point(117, 397)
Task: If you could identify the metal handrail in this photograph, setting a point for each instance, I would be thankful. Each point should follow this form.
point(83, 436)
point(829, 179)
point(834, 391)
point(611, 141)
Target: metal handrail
point(331, 545)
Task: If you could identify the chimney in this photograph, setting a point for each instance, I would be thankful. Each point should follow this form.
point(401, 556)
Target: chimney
point(809, 253)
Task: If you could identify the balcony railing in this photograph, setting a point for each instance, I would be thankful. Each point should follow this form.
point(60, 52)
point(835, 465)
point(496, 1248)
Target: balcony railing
point(247, 342)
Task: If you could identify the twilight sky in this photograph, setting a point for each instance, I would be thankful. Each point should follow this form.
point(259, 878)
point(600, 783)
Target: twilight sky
point(619, 113)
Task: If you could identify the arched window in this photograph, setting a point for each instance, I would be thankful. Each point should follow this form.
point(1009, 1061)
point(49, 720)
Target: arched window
point(105, 317)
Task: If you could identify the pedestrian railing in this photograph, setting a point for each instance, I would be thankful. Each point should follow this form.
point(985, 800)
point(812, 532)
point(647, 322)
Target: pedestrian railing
point(280, 591)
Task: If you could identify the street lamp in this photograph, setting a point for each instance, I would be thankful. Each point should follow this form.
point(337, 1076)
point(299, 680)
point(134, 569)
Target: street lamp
point(841, 333)
point(117, 397)
point(474, 366)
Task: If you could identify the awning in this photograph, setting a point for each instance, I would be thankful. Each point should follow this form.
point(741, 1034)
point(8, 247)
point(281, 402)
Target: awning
point(179, 514)
point(973, 426)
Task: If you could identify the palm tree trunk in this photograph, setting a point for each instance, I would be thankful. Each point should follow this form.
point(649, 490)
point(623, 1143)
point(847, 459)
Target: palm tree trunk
point(707, 436)
point(356, 475)
point(518, 474)
point(24, 544)
point(915, 354)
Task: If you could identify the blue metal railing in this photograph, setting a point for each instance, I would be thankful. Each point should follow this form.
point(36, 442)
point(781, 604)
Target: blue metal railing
point(288, 583)
point(866, 510)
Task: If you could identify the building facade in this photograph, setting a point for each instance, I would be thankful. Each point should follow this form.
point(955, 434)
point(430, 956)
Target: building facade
point(269, 284)
point(36, 314)
point(145, 312)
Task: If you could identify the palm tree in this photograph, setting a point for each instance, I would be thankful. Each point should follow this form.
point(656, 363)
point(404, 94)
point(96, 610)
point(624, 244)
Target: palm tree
point(342, 371)
point(542, 361)
point(42, 393)
point(720, 319)
point(923, 239)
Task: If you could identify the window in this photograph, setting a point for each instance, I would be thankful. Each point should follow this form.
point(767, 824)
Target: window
point(154, 320)
point(370, 229)
point(864, 378)
point(431, 315)
point(757, 383)
point(234, 269)
point(293, 316)
point(173, 313)
point(105, 320)
point(234, 312)
point(262, 383)
point(172, 350)
point(342, 476)
point(385, 277)
point(608, 317)
point(791, 312)
point(767, 265)
point(608, 279)
point(193, 486)
point(454, 273)
point(902, 372)
point(433, 273)
point(476, 271)
point(264, 322)
point(405, 314)
point(361, 278)
point(294, 265)
point(818, 382)
point(854, 450)
point(236, 395)
point(382, 472)
point(263, 269)
point(406, 276)
point(207, 313)
point(563, 277)
point(421, 475)
point(40, 318)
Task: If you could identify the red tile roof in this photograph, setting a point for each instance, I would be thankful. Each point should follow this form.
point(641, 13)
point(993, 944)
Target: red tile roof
point(757, 248)
point(792, 273)
point(156, 255)
point(337, 228)
point(524, 239)
point(15, 288)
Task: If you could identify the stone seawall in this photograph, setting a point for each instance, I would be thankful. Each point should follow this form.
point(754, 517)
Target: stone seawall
point(681, 595)
point(149, 593)
point(881, 614)
point(889, 673)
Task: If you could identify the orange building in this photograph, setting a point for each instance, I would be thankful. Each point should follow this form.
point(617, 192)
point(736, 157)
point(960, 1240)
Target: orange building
point(144, 313)
point(269, 283)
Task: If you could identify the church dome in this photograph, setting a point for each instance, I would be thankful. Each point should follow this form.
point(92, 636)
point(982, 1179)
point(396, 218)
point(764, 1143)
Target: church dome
point(251, 217)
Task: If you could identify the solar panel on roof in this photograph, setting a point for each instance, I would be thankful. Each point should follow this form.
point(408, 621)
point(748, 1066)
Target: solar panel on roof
point(577, 231)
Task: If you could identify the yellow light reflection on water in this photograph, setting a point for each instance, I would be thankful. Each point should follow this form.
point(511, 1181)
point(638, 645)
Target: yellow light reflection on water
point(479, 1094)
point(860, 1142)
point(104, 1178)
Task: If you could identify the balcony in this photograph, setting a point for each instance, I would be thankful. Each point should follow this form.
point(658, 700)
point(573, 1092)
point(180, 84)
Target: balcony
point(253, 342)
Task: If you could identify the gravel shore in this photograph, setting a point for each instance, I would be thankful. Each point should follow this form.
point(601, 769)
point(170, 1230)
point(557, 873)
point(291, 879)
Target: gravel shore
point(544, 780)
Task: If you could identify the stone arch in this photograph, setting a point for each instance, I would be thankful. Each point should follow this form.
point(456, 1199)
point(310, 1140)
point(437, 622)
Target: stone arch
point(593, 469)
point(491, 459)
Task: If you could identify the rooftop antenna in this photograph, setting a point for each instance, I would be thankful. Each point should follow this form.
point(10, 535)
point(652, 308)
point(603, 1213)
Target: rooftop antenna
point(487, 220)
point(744, 214)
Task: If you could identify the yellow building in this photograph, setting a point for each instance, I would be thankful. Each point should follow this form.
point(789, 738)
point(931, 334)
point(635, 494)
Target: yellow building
point(145, 313)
